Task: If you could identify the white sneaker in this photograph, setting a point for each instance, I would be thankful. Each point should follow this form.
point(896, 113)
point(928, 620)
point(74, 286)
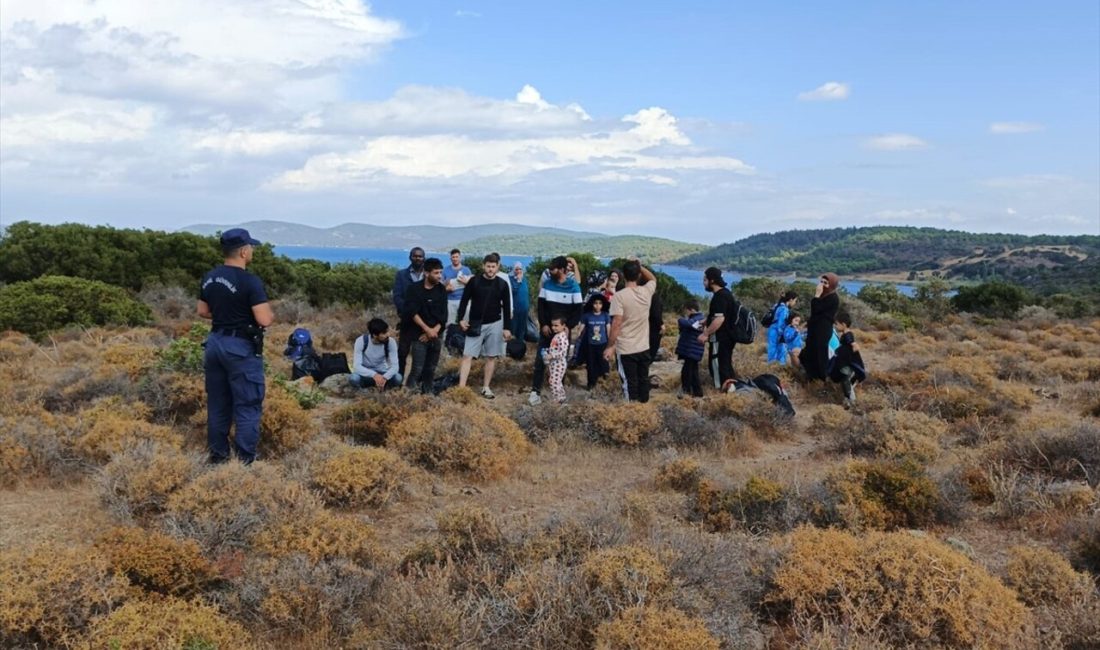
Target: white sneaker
point(487, 393)
point(533, 398)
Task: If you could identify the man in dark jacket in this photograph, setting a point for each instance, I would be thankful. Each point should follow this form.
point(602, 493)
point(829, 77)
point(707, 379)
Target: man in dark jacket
point(424, 316)
point(559, 297)
point(405, 278)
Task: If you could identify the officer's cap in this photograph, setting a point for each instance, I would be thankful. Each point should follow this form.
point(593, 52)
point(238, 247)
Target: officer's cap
point(234, 238)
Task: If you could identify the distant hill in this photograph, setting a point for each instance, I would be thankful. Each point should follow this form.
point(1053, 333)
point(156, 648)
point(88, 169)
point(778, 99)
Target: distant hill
point(1041, 262)
point(361, 235)
point(654, 249)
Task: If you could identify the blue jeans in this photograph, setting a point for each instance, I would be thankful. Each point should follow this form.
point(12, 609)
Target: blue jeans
point(234, 394)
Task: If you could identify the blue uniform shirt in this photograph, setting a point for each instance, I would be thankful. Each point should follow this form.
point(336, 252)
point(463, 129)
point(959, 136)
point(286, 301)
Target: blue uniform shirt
point(231, 293)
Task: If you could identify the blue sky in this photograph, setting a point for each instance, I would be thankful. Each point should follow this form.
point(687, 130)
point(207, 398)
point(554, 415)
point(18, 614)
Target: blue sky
point(701, 121)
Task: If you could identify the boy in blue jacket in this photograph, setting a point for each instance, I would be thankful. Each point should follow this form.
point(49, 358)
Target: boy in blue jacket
point(689, 349)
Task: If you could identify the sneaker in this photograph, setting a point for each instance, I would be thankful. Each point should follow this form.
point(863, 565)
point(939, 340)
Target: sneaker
point(533, 398)
point(487, 393)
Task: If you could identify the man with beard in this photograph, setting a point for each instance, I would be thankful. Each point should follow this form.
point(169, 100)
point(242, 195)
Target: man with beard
point(405, 278)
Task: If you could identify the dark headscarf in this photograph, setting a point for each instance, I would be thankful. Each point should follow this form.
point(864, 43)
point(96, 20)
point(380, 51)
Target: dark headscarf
point(832, 282)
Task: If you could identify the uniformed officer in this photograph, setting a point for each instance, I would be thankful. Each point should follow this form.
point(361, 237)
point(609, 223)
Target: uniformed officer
point(236, 302)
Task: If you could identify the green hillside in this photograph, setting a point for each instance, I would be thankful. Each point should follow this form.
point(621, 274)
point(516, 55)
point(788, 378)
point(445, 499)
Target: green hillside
point(653, 249)
point(1042, 262)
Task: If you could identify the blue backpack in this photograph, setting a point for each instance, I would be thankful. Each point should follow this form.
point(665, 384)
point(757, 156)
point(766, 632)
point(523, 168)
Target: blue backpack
point(299, 343)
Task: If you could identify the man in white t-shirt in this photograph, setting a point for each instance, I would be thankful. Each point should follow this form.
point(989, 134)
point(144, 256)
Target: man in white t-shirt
point(629, 337)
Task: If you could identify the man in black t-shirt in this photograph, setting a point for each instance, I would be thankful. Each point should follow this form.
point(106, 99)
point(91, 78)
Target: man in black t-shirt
point(720, 320)
point(424, 311)
point(489, 298)
point(236, 303)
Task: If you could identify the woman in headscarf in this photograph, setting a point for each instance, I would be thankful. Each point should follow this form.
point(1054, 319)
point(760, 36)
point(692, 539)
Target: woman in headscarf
point(823, 308)
point(521, 302)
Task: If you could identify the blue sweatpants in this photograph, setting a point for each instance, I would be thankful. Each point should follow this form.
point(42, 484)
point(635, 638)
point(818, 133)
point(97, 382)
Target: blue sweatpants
point(775, 347)
point(234, 394)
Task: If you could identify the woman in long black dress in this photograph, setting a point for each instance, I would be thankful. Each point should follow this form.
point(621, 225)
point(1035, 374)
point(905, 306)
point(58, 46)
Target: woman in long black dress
point(823, 308)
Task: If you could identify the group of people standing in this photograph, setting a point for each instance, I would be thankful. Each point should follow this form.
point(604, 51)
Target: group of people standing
point(620, 325)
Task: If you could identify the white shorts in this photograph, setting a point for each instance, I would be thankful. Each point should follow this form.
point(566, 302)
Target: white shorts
point(489, 344)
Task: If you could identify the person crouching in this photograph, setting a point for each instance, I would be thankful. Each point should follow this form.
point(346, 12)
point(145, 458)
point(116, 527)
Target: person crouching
point(374, 361)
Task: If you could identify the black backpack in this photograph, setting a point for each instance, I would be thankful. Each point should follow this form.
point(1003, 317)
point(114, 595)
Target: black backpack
point(769, 318)
point(516, 349)
point(744, 325)
point(454, 339)
point(771, 385)
point(332, 363)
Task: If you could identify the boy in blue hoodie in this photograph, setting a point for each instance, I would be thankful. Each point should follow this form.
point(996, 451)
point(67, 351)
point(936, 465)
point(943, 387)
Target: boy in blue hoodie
point(597, 324)
point(689, 349)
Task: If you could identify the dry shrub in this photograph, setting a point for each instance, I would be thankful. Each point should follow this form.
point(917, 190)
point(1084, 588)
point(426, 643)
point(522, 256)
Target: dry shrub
point(15, 346)
point(685, 427)
point(38, 444)
point(831, 420)
point(138, 481)
point(551, 421)
point(228, 504)
point(362, 476)
point(911, 589)
point(1086, 545)
point(463, 533)
point(294, 595)
point(624, 576)
point(891, 434)
point(174, 397)
point(156, 562)
point(679, 473)
point(1070, 369)
point(420, 611)
point(654, 628)
point(1067, 450)
point(759, 505)
point(285, 425)
point(461, 395)
point(167, 623)
point(628, 423)
point(112, 426)
point(132, 359)
point(543, 606)
point(1042, 577)
point(476, 442)
point(881, 495)
point(52, 593)
point(322, 536)
point(370, 419)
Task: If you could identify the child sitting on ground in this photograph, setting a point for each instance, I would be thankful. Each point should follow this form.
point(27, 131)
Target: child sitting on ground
point(846, 366)
point(790, 340)
point(597, 323)
point(689, 349)
point(555, 358)
point(374, 361)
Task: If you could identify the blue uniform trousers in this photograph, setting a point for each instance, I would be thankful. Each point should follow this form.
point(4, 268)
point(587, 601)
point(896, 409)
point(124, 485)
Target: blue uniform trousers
point(234, 394)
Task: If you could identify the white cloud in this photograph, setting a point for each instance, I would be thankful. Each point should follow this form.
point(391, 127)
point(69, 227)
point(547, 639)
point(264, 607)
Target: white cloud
point(76, 126)
point(1012, 128)
point(632, 144)
point(826, 92)
point(610, 176)
point(895, 142)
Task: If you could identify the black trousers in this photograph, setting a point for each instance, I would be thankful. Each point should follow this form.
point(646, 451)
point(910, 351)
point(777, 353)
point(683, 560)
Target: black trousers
point(689, 378)
point(425, 358)
point(721, 360)
point(634, 369)
point(406, 336)
point(595, 365)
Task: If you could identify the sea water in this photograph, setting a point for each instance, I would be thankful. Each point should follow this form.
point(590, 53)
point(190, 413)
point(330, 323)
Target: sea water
point(690, 278)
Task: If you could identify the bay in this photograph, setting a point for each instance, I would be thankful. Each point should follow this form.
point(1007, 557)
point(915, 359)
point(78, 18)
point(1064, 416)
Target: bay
point(690, 278)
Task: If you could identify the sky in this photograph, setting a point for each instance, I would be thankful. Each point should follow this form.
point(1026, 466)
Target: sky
point(699, 121)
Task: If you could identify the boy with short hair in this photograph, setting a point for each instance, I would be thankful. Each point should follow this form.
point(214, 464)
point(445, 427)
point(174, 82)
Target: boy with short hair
point(374, 361)
point(455, 277)
point(597, 325)
point(689, 349)
point(846, 367)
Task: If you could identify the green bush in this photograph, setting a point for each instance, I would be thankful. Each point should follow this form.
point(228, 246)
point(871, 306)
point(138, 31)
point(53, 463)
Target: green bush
point(185, 354)
point(137, 259)
point(994, 299)
point(52, 302)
